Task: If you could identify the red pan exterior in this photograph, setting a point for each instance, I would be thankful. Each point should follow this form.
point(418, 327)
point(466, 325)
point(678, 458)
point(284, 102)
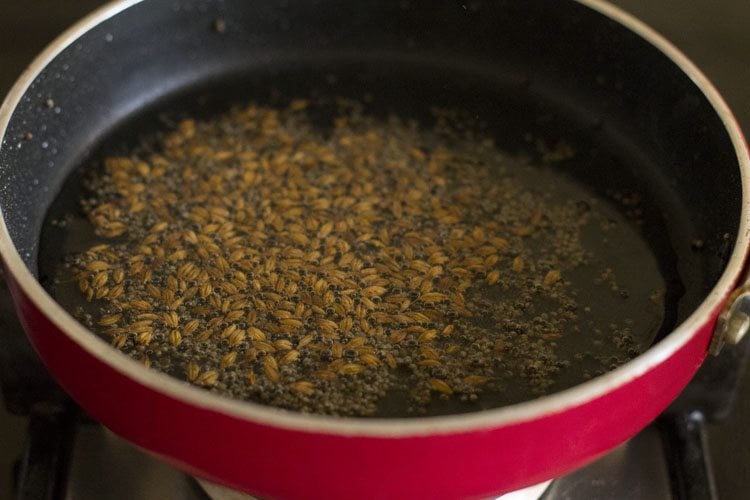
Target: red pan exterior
point(283, 463)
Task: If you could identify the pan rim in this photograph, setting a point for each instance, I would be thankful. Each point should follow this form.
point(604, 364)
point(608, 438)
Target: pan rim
point(390, 427)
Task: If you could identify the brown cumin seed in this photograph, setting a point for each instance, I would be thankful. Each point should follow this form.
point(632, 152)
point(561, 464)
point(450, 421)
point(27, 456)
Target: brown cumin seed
point(256, 334)
point(141, 305)
point(304, 341)
point(281, 314)
point(116, 292)
point(207, 378)
point(97, 265)
point(351, 369)
point(429, 363)
point(493, 277)
point(291, 323)
point(337, 350)
point(263, 346)
point(159, 227)
point(390, 360)
point(175, 337)
point(475, 379)
point(432, 297)
point(429, 352)
point(440, 386)
point(418, 317)
point(154, 292)
point(283, 344)
point(373, 291)
point(228, 359)
point(289, 357)
point(228, 331)
point(551, 277)
point(271, 372)
point(204, 335)
point(234, 315)
point(369, 360)
point(171, 319)
point(110, 319)
point(236, 338)
point(326, 323)
point(100, 279)
point(145, 337)
point(427, 335)
point(119, 341)
point(397, 337)
point(303, 387)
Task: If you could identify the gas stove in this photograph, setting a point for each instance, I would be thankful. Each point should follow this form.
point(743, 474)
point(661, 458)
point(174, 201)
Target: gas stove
point(696, 450)
point(92, 463)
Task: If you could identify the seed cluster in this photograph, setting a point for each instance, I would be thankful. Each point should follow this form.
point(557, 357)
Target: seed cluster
point(325, 269)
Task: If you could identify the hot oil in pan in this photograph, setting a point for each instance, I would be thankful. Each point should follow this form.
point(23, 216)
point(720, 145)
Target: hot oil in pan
point(323, 258)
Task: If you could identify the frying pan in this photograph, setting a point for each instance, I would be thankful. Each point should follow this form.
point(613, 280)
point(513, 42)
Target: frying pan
point(648, 120)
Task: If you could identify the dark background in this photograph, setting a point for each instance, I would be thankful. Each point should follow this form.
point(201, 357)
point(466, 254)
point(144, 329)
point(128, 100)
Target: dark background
point(714, 33)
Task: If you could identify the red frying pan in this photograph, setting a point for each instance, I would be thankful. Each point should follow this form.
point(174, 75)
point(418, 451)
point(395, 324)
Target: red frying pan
point(616, 80)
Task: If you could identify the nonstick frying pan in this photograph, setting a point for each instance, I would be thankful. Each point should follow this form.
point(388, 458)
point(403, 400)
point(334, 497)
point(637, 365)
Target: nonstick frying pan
point(583, 70)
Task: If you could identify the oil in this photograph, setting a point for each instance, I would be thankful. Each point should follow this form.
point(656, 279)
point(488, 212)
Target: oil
point(611, 300)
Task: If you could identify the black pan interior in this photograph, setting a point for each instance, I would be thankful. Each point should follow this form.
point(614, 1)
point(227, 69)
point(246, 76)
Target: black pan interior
point(559, 71)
